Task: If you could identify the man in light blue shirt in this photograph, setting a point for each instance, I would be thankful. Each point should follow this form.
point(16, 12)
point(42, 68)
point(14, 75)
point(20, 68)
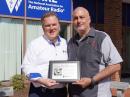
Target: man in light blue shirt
point(49, 46)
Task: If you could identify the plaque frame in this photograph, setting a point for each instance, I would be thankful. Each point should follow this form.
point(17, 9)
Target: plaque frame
point(57, 71)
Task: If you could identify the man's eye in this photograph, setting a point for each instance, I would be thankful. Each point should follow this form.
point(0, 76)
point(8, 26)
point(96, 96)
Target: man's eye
point(53, 24)
point(75, 18)
point(47, 25)
point(81, 17)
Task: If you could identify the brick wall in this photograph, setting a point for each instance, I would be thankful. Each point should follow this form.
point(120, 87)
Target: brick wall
point(113, 21)
point(113, 25)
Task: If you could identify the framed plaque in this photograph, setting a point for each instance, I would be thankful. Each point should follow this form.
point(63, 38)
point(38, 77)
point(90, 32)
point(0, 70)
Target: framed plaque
point(64, 71)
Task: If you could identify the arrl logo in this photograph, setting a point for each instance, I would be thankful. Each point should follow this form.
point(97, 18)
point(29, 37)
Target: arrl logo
point(13, 4)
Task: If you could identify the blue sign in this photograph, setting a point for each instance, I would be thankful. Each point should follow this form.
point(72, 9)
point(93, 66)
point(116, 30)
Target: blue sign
point(36, 8)
point(12, 7)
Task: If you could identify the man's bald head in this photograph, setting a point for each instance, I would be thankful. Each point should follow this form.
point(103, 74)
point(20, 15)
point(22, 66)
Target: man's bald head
point(80, 9)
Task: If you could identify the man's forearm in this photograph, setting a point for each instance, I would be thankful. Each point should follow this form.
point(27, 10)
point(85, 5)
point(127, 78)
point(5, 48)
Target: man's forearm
point(108, 71)
point(116, 76)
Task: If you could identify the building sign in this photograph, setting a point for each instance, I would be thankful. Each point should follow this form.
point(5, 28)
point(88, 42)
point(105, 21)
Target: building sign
point(12, 7)
point(36, 8)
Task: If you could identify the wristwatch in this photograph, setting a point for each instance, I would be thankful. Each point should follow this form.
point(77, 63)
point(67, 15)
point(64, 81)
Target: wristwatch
point(93, 82)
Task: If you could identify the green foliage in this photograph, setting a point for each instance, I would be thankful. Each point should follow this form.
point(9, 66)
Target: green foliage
point(18, 82)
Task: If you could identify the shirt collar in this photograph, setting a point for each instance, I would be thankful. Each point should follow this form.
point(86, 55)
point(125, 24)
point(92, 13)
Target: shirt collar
point(50, 42)
point(91, 33)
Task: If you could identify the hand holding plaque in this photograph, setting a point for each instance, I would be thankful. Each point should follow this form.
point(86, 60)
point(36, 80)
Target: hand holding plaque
point(64, 71)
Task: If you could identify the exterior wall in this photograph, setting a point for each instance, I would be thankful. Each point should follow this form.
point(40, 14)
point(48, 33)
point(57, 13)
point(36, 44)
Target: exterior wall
point(113, 21)
point(126, 52)
point(10, 47)
point(113, 25)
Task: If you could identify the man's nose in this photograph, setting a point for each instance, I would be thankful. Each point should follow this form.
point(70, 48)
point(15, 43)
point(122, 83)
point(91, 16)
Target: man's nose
point(51, 27)
point(78, 19)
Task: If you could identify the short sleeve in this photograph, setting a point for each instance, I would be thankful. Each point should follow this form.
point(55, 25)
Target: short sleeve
point(109, 51)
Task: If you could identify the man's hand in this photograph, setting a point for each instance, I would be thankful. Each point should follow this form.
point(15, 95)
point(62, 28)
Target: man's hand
point(83, 82)
point(47, 82)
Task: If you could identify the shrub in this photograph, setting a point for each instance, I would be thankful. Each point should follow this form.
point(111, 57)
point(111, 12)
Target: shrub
point(18, 82)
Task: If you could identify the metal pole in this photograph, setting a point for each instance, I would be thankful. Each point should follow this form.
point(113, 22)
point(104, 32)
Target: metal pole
point(24, 29)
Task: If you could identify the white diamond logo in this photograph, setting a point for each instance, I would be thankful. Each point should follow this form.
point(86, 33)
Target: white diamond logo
point(18, 4)
point(13, 4)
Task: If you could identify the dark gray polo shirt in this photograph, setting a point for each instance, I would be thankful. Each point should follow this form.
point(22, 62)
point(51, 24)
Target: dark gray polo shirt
point(94, 51)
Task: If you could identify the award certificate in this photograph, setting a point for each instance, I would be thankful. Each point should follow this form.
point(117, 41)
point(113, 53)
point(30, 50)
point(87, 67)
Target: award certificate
point(64, 71)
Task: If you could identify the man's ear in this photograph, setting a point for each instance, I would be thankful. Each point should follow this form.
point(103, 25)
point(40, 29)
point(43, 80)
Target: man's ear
point(89, 20)
point(42, 26)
